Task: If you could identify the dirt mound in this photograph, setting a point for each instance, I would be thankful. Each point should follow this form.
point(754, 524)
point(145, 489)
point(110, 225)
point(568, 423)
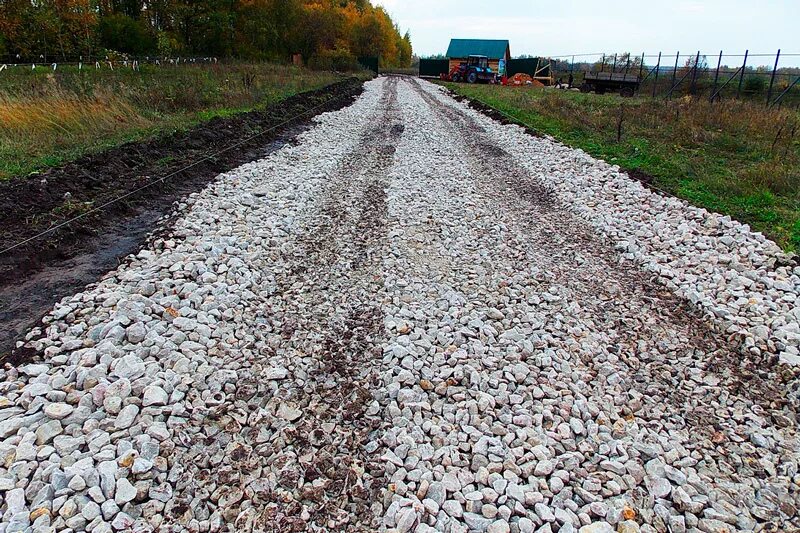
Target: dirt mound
point(521, 79)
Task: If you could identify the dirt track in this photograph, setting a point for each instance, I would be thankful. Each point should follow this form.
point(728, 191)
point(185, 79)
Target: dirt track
point(397, 323)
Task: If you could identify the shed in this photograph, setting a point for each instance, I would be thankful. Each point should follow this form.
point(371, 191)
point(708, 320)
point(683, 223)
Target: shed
point(497, 50)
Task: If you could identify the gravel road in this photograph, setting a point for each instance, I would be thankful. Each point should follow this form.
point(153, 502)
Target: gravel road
point(415, 318)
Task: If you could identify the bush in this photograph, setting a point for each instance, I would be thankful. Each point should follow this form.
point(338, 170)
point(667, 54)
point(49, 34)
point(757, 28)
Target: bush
point(755, 84)
point(169, 45)
point(338, 59)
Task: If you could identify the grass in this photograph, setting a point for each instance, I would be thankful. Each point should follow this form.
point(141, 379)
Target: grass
point(48, 118)
point(735, 158)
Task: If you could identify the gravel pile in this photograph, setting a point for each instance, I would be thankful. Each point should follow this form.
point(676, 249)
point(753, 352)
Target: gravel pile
point(415, 319)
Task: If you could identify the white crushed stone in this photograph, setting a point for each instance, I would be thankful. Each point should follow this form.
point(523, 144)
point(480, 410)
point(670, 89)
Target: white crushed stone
point(383, 327)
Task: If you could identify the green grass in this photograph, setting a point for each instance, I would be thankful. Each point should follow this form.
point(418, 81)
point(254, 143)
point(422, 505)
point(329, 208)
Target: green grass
point(48, 118)
point(735, 158)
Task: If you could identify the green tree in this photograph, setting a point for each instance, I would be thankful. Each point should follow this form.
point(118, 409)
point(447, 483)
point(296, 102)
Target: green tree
point(123, 33)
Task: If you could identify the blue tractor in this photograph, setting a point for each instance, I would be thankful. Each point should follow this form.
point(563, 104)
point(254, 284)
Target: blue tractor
point(474, 70)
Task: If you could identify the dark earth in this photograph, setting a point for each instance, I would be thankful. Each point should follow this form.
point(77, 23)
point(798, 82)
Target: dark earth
point(37, 274)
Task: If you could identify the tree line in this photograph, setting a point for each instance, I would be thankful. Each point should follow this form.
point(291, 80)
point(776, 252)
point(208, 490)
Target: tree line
point(328, 33)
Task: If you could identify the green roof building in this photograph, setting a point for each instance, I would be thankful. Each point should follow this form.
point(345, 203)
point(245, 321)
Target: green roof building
point(497, 50)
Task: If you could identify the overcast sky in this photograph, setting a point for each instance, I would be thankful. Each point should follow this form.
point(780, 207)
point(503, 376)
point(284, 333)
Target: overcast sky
point(589, 26)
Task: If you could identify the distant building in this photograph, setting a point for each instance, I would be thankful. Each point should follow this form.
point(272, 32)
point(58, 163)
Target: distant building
point(497, 50)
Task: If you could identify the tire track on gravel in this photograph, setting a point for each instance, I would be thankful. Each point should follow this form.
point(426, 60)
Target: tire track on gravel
point(675, 371)
point(567, 243)
point(295, 458)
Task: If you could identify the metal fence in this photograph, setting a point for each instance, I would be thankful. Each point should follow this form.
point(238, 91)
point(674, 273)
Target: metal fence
point(535, 67)
point(432, 68)
point(713, 76)
point(369, 63)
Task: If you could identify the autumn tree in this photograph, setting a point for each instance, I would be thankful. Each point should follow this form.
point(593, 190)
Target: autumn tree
point(251, 29)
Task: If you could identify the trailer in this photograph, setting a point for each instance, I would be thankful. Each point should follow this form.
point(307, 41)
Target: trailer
point(601, 82)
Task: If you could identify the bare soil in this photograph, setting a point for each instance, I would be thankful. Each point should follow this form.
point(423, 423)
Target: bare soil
point(36, 275)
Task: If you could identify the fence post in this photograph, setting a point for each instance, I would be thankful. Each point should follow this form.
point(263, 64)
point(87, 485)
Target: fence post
point(658, 69)
point(571, 70)
point(675, 70)
point(614, 68)
point(693, 85)
point(641, 66)
point(772, 79)
point(603, 65)
point(785, 91)
point(716, 76)
point(741, 77)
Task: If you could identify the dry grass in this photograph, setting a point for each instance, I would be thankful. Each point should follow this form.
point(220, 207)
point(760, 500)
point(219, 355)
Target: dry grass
point(58, 119)
point(47, 118)
point(737, 158)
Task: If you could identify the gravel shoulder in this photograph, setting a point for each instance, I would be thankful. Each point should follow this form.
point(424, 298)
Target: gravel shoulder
point(414, 318)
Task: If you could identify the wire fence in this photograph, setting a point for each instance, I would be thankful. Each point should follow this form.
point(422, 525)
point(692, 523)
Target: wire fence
point(713, 76)
point(9, 62)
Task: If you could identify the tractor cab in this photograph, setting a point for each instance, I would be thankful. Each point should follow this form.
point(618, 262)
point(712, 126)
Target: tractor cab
point(481, 62)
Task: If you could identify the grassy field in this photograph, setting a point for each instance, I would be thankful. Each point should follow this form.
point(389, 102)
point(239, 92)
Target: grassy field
point(47, 118)
point(735, 158)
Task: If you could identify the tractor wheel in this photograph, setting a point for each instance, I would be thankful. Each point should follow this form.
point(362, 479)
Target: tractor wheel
point(472, 77)
point(456, 77)
point(626, 92)
point(586, 88)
